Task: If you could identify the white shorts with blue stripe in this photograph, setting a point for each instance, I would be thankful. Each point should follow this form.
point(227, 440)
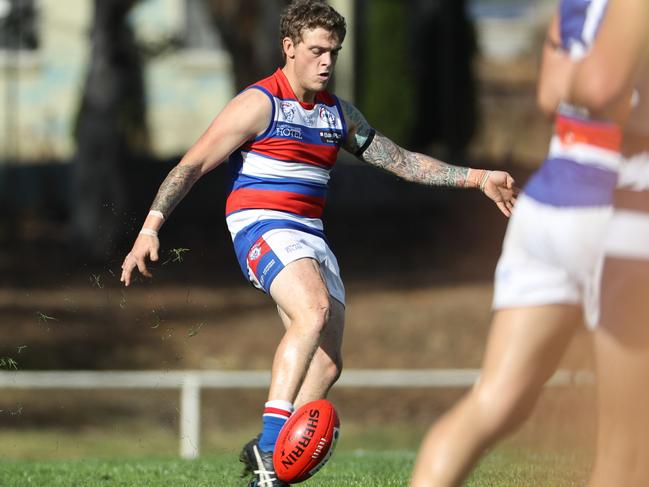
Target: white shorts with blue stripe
point(265, 241)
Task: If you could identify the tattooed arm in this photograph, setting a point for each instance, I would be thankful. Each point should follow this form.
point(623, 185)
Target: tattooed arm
point(244, 117)
point(376, 149)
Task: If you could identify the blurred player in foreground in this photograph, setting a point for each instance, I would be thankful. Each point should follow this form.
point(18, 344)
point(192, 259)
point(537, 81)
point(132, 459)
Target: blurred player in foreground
point(546, 278)
point(281, 137)
point(603, 83)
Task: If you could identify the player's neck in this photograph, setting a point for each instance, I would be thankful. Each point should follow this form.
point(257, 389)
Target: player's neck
point(301, 94)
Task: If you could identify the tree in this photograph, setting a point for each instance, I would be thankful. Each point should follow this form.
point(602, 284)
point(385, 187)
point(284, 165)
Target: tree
point(443, 49)
point(110, 130)
point(250, 33)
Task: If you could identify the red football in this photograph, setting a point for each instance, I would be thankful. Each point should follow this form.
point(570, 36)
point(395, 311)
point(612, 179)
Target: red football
point(306, 441)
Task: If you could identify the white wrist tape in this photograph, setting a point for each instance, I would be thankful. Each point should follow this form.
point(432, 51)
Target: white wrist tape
point(485, 178)
point(149, 231)
point(157, 213)
point(467, 181)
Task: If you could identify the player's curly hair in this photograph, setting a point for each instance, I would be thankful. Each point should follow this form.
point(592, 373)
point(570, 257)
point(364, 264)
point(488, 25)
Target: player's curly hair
point(310, 14)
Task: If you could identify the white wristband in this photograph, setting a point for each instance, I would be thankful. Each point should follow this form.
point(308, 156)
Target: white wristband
point(467, 181)
point(485, 178)
point(157, 213)
point(149, 231)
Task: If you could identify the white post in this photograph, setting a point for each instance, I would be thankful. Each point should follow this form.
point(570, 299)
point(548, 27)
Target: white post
point(190, 417)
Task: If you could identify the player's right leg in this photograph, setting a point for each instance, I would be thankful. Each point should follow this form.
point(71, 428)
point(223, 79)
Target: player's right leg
point(623, 415)
point(326, 365)
point(525, 345)
point(301, 293)
point(621, 338)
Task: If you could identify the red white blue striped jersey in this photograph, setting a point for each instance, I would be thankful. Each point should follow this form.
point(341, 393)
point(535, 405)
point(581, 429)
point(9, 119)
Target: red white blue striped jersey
point(579, 23)
point(287, 167)
point(584, 157)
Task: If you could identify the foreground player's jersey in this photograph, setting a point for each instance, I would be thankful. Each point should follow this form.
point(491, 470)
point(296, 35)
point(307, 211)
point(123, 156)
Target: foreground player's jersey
point(287, 167)
point(579, 21)
point(584, 156)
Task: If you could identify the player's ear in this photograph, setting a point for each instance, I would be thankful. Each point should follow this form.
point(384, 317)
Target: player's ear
point(289, 47)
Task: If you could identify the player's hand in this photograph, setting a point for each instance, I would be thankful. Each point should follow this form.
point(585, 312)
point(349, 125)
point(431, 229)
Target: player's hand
point(499, 188)
point(145, 246)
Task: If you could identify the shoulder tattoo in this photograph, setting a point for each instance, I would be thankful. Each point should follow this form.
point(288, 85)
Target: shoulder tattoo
point(360, 133)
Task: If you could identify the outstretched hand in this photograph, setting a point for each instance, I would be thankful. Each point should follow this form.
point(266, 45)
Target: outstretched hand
point(499, 188)
point(145, 246)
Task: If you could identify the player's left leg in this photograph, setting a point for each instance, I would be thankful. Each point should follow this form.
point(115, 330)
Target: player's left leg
point(524, 348)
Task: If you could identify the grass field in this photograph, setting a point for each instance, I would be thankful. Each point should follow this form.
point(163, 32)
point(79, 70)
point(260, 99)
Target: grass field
point(108, 450)
point(503, 468)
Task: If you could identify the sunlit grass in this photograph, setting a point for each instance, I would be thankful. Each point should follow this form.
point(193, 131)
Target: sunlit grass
point(348, 468)
point(135, 455)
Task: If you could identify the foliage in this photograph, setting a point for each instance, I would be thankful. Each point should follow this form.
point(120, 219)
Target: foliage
point(387, 94)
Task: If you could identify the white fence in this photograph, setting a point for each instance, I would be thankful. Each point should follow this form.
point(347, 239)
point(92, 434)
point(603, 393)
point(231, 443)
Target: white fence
point(190, 383)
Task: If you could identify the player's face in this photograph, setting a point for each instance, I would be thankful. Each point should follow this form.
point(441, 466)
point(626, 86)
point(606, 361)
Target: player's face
point(314, 58)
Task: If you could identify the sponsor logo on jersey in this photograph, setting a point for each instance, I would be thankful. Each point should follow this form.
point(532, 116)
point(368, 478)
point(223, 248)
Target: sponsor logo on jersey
point(293, 247)
point(330, 137)
point(289, 131)
point(264, 273)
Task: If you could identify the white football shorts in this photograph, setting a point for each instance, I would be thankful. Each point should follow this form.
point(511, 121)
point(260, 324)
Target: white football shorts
point(552, 255)
point(266, 241)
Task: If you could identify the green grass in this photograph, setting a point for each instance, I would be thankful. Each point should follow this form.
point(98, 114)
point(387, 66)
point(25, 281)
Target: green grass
point(141, 454)
point(348, 468)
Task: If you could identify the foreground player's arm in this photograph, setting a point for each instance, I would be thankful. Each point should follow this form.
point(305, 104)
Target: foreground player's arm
point(243, 118)
point(555, 71)
point(603, 82)
point(376, 149)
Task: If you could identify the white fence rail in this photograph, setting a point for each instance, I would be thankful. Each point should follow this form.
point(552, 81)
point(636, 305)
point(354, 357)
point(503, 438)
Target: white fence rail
point(190, 383)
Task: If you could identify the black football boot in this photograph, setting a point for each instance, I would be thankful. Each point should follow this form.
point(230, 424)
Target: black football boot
point(259, 464)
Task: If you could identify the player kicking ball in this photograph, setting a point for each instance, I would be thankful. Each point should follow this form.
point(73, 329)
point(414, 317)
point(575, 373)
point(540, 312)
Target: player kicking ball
point(281, 137)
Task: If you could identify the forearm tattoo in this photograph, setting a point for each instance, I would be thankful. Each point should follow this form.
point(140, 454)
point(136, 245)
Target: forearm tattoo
point(175, 186)
point(412, 166)
point(385, 154)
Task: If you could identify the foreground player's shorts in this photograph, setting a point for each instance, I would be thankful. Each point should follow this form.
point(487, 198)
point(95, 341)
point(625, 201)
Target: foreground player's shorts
point(267, 241)
point(551, 255)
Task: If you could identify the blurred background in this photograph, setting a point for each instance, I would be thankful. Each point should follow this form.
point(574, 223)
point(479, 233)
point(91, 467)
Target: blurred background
point(99, 99)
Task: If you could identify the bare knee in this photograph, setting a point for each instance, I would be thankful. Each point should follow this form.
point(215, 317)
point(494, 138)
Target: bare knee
point(330, 367)
point(499, 411)
point(315, 315)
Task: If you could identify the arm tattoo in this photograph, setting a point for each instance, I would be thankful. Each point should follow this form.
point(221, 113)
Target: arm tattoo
point(175, 186)
point(377, 150)
point(359, 131)
point(412, 166)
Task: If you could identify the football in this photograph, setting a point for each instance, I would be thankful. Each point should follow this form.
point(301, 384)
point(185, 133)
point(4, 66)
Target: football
point(306, 441)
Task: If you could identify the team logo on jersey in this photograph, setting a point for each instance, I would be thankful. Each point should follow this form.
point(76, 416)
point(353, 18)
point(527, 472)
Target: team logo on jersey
point(327, 116)
point(288, 110)
point(288, 131)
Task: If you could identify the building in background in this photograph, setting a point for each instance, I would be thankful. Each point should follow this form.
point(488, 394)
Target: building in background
point(44, 49)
